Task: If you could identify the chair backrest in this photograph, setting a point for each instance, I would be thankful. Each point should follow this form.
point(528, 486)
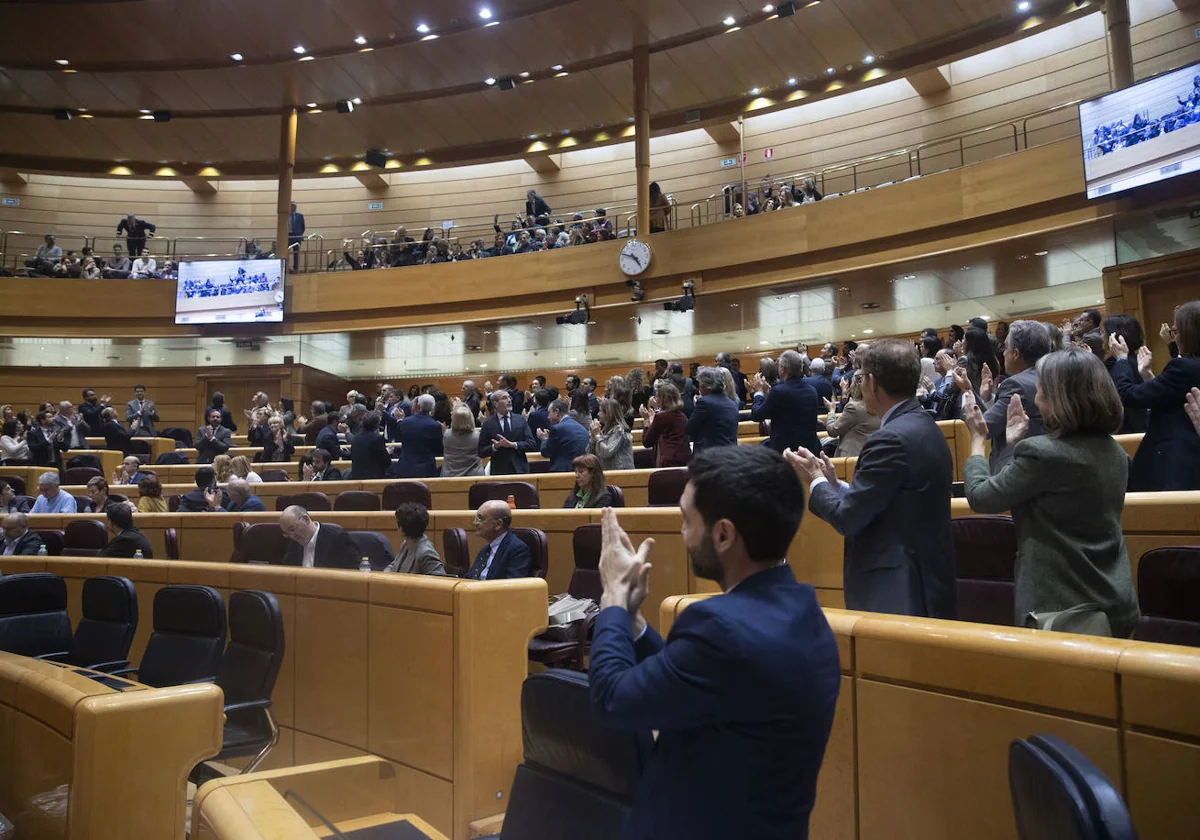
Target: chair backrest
point(261, 542)
point(456, 554)
point(375, 547)
point(585, 580)
point(399, 492)
point(110, 618)
point(250, 664)
point(139, 446)
point(618, 495)
point(180, 435)
point(524, 494)
point(118, 497)
point(82, 504)
point(84, 537)
point(578, 778)
point(1168, 587)
point(356, 500)
point(539, 549)
point(539, 466)
point(311, 501)
point(33, 614)
point(53, 539)
point(665, 487)
point(15, 482)
point(275, 475)
point(644, 459)
point(84, 459)
point(985, 557)
point(171, 538)
point(77, 476)
point(172, 458)
point(188, 636)
point(1058, 794)
point(173, 502)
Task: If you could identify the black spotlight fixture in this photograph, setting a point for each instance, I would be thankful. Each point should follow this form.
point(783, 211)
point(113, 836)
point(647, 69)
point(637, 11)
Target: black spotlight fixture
point(162, 116)
point(62, 114)
point(636, 292)
point(581, 315)
point(374, 157)
point(345, 106)
point(786, 9)
point(686, 303)
point(506, 83)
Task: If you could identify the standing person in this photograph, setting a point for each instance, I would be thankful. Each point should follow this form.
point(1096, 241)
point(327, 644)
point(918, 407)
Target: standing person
point(277, 444)
point(791, 406)
point(1066, 491)
point(565, 439)
point(136, 230)
point(714, 420)
point(116, 437)
point(660, 209)
point(895, 515)
point(535, 206)
point(853, 425)
point(460, 445)
point(664, 427)
point(743, 690)
point(505, 438)
point(610, 440)
point(14, 447)
point(91, 408)
point(143, 410)
point(212, 439)
point(218, 403)
point(369, 457)
point(1130, 329)
point(295, 235)
point(420, 441)
point(46, 442)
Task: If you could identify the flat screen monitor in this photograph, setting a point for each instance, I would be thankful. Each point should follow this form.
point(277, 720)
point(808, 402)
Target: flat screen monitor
point(1145, 133)
point(230, 292)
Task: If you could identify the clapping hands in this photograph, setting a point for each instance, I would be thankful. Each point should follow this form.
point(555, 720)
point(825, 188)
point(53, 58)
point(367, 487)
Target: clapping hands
point(809, 467)
point(985, 384)
point(543, 434)
point(1192, 407)
point(973, 417)
point(1144, 359)
point(624, 573)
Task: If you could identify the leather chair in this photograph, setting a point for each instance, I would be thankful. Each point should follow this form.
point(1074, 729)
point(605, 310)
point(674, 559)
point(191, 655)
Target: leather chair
point(247, 675)
point(27, 501)
point(356, 500)
point(375, 547)
point(456, 553)
point(578, 779)
point(539, 549)
point(104, 634)
point(84, 538)
point(78, 476)
point(84, 459)
point(188, 638)
point(53, 539)
point(524, 494)
point(15, 482)
point(140, 447)
point(584, 583)
point(261, 543)
point(173, 502)
point(33, 614)
point(1168, 587)
point(399, 492)
point(665, 487)
point(273, 475)
point(643, 458)
point(181, 436)
point(1058, 794)
point(172, 458)
point(171, 538)
point(118, 497)
point(539, 466)
point(82, 504)
point(618, 495)
point(985, 556)
point(310, 501)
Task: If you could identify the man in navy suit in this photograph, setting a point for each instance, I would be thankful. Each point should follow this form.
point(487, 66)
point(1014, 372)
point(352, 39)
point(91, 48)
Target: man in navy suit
point(565, 440)
point(420, 438)
point(327, 439)
point(509, 383)
point(895, 515)
point(714, 419)
point(539, 417)
point(791, 406)
point(503, 555)
point(505, 438)
point(819, 381)
point(743, 691)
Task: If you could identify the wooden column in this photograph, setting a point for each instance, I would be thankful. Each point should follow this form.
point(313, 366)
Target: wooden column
point(287, 165)
point(1120, 49)
point(641, 144)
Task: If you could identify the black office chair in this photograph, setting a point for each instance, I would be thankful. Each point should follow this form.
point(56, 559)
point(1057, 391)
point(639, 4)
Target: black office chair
point(1168, 590)
point(247, 675)
point(579, 777)
point(104, 634)
point(260, 543)
point(181, 436)
point(53, 540)
point(33, 614)
point(1058, 794)
point(172, 457)
point(188, 637)
point(171, 538)
point(584, 583)
point(79, 476)
point(375, 547)
point(539, 549)
point(456, 555)
point(618, 495)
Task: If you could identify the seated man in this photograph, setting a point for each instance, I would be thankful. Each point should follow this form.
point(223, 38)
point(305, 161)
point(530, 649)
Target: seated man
point(241, 499)
point(43, 261)
point(503, 555)
point(197, 501)
point(565, 440)
point(52, 498)
point(316, 544)
point(321, 468)
point(18, 539)
point(212, 439)
point(124, 538)
point(417, 555)
point(117, 266)
point(10, 502)
point(130, 471)
point(744, 688)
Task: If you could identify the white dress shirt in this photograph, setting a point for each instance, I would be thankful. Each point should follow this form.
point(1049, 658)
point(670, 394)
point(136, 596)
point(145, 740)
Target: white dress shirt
point(310, 548)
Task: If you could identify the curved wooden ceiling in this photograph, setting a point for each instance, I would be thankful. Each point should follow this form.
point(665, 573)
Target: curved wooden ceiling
point(427, 100)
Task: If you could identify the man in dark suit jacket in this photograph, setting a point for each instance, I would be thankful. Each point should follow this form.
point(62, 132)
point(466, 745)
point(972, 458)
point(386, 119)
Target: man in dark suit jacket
point(327, 439)
point(320, 468)
point(589, 385)
point(743, 690)
point(791, 405)
point(218, 404)
point(197, 501)
point(502, 555)
point(124, 539)
point(116, 437)
point(714, 420)
point(509, 383)
point(316, 545)
point(471, 398)
point(310, 428)
point(46, 444)
point(505, 438)
point(895, 516)
point(564, 441)
point(295, 235)
point(539, 417)
point(1027, 342)
point(212, 439)
point(143, 410)
point(820, 383)
point(91, 408)
point(369, 456)
point(18, 539)
point(239, 498)
point(421, 442)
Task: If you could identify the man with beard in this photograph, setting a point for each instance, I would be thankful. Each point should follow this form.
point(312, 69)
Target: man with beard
point(743, 690)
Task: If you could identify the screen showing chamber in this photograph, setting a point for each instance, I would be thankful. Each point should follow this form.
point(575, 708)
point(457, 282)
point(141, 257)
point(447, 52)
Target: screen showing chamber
point(230, 292)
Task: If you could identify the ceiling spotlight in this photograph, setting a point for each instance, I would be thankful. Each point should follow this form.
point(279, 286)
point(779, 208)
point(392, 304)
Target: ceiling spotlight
point(556, 67)
point(533, 137)
point(729, 20)
point(687, 302)
point(754, 91)
point(485, 13)
point(430, 37)
point(491, 23)
point(490, 80)
point(768, 8)
point(61, 61)
point(524, 74)
point(563, 73)
point(146, 117)
point(299, 50)
point(1040, 253)
point(1024, 6)
point(345, 106)
point(422, 28)
point(144, 111)
point(829, 71)
point(360, 40)
point(868, 332)
point(792, 80)
point(356, 100)
point(236, 56)
point(868, 59)
point(311, 105)
point(581, 315)
point(306, 58)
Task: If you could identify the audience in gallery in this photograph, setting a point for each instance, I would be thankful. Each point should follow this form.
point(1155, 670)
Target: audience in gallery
point(1108, 137)
point(417, 554)
point(565, 440)
point(503, 555)
point(591, 489)
point(124, 538)
point(1065, 489)
point(18, 539)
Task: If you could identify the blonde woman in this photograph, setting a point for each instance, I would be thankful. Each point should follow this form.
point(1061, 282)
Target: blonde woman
point(730, 384)
point(460, 444)
point(854, 424)
point(611, 441)
point(223, 467)
point(241, 468)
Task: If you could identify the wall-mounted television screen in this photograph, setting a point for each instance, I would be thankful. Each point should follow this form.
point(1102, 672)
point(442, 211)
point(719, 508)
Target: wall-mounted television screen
point(229, 292)
point(1145, 133)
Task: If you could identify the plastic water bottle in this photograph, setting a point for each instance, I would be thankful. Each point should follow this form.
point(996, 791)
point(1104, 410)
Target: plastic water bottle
point(364, 565)
point(512, 502)
point(42, 550)
point(137, 555)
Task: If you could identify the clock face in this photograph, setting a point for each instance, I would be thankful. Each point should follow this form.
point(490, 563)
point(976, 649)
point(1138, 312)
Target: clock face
point(635, 257)
point(279, 297)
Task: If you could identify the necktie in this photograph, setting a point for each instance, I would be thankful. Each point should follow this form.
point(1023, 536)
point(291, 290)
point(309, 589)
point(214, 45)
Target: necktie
point(482, 559)
point(504, 425)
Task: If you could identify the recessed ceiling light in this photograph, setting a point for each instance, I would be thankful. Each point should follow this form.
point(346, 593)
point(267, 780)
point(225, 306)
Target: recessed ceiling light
point(729, 20)
point(868, 332)
point(1023, 6)
point(236, 56)
point(754, 91)
point(311, 105)
point(829, 71)
point(556, 67)
point(768, 8)
point(61, 61)
point(307, 58)
point(493, 23)
point(964, 268)
point(144, 111)
point(356, 100)
point(422, 28)
point(360, 40)
point(1040, 253)
point(533, 136)
point(732, 29)
point(146, 117)
point(299, 50)
point(868, 59)
point(490, 80)
point(430, 37)
point(563, 73)
point(762, 342)
point(485, 13)
point(792, 80)
point(524, 74)
point(734, 305)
